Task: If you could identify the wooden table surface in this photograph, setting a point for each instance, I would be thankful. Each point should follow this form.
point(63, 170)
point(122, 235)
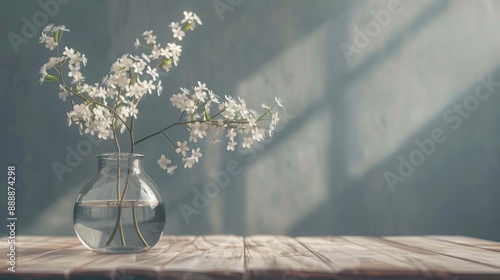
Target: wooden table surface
point(262, 257)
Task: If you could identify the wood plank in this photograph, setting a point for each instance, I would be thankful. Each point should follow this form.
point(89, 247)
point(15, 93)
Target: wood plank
point(57, 264)
point(471, 254)
point(146, 264)
point(350, 259)
point(282, 257)
point(210, 256)
point(469, 241)
point(32, 247)
point(425, 262)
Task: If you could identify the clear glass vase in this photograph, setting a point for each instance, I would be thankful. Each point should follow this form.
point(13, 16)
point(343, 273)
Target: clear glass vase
point(120, 209)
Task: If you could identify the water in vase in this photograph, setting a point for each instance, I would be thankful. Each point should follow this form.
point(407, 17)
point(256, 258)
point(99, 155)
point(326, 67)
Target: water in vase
point(141, 223)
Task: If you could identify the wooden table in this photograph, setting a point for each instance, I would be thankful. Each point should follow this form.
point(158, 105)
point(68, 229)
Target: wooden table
point(262, 257)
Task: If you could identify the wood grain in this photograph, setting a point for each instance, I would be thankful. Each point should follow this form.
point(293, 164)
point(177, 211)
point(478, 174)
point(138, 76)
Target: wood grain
point(426, 263)
point(263, 257)
point(457, 251)
point(348, 258)
point(211, 256)
point(469, 241)
point(282, 257)
point(129, 265)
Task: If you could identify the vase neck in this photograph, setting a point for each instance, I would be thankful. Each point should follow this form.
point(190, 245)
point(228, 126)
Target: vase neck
point(124, 161)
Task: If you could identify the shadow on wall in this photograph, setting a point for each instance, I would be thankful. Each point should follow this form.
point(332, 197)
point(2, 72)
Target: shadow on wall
point(452, 190)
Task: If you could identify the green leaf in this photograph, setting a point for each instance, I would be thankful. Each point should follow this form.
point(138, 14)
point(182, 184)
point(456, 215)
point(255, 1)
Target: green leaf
point(56, 36)
point(207, 116)
point(164, 63)
point(51, 78)
point(187, 26)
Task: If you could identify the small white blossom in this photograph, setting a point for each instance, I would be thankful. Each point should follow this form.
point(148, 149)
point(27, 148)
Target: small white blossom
point(278, 101)
point(63, 93)
point(191, 18)
point(177, 30)
point(231, 145)
point(196, 154)
point(48, 28)
point(247, 142)
point(148, 86)
point(182, 148)
point(174, 50)
point(188, 162)
point(149, 37)
point(163, 162)
point(170, 169)
point(49, 41)
point(231, 134)
point(153, 73)
point(159, 88)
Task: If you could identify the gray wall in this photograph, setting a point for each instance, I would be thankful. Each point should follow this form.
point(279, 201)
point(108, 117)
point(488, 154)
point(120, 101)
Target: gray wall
point(357, 106)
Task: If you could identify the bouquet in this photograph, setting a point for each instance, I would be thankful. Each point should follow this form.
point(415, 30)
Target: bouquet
point(111, 107)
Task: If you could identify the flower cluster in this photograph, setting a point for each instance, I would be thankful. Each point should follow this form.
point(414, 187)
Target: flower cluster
point(112, 105)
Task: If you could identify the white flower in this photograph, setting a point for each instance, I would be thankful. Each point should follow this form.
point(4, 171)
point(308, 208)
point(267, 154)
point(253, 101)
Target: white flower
point(188, 162)
point(159, 88)
point(247, 142)
point(155, 52)
point(80, 113)
point(63, 93)
point(177, 30)
point(170, 169)
point(74, 58)
point(164, 162)
point(153, 73)
point(182, 148)
point(136, 90)
point(201, 86)
point(265, 107)
point(139, 66)
point(175, 50)
point(59, 28)
point(149, 37)
point(231, 145)
point(258, 133)
point(199, 95)
point(198, 130)
point(137, 43)
point(148, 86)
point(49, 41)
point(191, 18)
point(274, 122)
point(231, 134)
point(214, 98)
point(146, 58)
point(75, 73)
point(48, 28)
point(278, 101)
point(178, 101)
point(196, 154)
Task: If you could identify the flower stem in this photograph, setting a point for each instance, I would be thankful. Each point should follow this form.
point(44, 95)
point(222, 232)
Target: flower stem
point(136, 225)
point(119, 218)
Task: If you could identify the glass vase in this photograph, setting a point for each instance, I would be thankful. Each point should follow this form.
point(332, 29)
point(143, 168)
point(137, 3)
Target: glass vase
point(120, 209)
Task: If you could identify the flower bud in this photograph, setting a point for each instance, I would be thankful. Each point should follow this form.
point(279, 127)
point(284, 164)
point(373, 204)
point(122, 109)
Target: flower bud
point(51, 78)
point(56, 36)
point(187, 26)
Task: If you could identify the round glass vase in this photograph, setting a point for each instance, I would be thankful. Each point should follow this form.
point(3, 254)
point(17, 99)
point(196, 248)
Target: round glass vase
point(120, 209)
